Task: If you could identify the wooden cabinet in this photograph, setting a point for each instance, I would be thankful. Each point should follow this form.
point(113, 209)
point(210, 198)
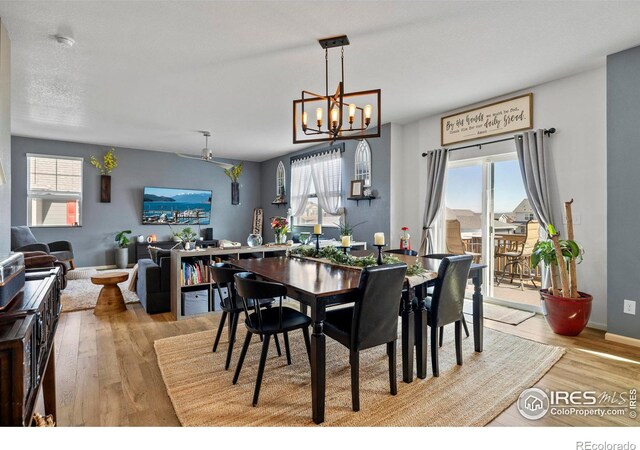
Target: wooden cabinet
point(27, 330)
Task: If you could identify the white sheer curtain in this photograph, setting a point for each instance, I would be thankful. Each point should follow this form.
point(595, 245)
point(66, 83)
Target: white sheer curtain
point(326, 170)
point(300, 185)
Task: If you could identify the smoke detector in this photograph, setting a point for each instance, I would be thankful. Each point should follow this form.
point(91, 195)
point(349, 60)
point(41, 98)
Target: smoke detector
point(65, 40)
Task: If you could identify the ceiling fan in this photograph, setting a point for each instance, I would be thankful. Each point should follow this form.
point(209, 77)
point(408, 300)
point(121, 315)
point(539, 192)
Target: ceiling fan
point(207, 154)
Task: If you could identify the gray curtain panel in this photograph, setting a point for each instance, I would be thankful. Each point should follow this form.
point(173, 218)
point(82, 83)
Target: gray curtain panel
point(436, 171)
point(530, 147)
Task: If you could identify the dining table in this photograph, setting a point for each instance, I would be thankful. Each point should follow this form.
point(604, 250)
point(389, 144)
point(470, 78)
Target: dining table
point(317, 285)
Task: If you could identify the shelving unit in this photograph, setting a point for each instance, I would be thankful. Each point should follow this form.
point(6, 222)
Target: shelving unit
point(279, 203)
point(209, 255)
point(357, 199)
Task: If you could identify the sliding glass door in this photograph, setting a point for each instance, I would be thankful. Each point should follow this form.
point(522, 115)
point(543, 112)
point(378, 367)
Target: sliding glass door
point(485, 215)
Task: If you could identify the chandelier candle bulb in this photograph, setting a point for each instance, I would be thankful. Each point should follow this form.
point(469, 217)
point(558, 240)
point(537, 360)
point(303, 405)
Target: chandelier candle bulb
point(367, 114)
point(352, 112)
point(378, 239)
point(334, 118)
point(346, 241)
point(305, 117)
point(317, 229)
point(319, 113)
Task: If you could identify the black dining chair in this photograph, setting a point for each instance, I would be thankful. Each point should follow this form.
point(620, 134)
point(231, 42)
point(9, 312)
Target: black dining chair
point(430, 292)
point(445, 305)
point(372, 321)
point(231, 305)
point(267, 321)
point(402, 251)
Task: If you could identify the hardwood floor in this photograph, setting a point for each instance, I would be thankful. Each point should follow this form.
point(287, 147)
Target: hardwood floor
point(107, 373)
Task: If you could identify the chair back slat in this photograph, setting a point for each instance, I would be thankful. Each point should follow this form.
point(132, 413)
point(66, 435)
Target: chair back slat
point(222, 275)
point(448, 293)
point(375, 314)
point(250, 288)
point(531, 237)
point(454, 238)
point(402, 251)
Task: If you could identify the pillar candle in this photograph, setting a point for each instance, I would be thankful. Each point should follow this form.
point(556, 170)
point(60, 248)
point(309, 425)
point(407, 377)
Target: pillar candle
point(378, 239)
point(317, 229)
point(346, 241)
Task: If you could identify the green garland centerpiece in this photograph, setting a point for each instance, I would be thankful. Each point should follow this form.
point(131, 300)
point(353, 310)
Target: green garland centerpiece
point(336, 256)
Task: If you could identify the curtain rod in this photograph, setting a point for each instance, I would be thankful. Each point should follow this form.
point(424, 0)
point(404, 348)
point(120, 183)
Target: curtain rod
point(548, 132)
point(318, 152)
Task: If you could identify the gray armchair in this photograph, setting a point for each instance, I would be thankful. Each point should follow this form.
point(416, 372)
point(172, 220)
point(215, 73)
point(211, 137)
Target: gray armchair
point(23, 240)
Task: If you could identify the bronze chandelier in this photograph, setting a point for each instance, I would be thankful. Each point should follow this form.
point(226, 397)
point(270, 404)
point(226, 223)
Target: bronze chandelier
point(349, 114)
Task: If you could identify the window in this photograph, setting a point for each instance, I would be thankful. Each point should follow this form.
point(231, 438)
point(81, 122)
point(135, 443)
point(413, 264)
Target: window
point(528, 216)
point(313, 214)
point(280, 177)
point(310, 204)
point(363, 162)
point(54, 191)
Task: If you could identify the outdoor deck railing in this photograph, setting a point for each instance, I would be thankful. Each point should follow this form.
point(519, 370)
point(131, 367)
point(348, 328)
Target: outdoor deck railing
point(502, 243)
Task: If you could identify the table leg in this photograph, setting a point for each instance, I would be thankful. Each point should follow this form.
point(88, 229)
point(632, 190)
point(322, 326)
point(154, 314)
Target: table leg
point(408, 336)
point(318, 365)
point(421, 333)
point(477, 311)
point(49, 384)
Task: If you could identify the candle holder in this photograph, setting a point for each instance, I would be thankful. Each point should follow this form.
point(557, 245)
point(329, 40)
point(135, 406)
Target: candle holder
point(380, 247)
point(317, 241)
point(345, 249)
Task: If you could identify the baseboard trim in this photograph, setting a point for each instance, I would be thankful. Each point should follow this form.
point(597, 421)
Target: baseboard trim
point(622, 339)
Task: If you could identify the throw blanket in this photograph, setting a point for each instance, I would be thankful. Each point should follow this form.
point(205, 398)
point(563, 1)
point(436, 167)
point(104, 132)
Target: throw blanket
point(133, 282)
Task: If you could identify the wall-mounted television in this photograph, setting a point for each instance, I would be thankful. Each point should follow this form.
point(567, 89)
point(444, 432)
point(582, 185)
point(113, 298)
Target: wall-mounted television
point(169, 206)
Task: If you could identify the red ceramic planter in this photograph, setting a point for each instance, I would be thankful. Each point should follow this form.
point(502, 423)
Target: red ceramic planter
point(566, 316)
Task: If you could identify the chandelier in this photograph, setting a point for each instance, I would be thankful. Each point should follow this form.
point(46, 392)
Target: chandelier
point(349, 115)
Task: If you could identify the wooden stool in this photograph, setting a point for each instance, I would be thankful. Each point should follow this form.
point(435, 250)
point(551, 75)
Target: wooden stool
point(110, 299)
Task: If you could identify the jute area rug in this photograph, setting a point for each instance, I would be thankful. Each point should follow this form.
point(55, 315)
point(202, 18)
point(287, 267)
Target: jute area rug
point(81, 293)
point(500, 313)
point(469, 395)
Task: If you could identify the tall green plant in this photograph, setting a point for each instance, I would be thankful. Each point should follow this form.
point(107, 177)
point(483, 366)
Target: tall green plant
point(346, 229)
point(122, 241)
point(548, 253)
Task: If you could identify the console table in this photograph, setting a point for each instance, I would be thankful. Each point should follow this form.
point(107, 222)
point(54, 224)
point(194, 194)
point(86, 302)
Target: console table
point(142, 251)
point(27, 356)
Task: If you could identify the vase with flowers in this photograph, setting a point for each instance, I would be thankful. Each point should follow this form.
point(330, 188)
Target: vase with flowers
point(279, 225)
point(109, 162)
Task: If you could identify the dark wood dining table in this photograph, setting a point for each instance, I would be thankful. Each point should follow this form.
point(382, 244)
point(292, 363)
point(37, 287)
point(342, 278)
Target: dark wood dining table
point(318, 285)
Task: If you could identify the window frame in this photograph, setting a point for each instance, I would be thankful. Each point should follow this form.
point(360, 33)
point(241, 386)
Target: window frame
point(363, 156)
point(57, 195)
point(281, 175)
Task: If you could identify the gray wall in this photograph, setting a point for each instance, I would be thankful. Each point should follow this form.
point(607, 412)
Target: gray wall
point(623, 186)
point(5, 137)
point(93, 242)
point(376, 216)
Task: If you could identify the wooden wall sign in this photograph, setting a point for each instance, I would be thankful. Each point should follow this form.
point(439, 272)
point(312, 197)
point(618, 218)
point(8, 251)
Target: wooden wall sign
point(501, 117)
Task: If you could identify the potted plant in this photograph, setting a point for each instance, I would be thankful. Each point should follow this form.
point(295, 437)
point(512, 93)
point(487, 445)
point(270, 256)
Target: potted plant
point(234, 175)
point(122, 249)
point(346, 229)
point(566, 309)
point(109, 162)
point(187, 237)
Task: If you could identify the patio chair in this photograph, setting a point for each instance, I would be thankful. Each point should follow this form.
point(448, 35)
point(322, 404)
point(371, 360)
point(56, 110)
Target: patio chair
point(520, 259)
point(454, 242)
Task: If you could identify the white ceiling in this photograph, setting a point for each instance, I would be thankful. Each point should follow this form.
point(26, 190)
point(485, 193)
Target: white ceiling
point(150, 74)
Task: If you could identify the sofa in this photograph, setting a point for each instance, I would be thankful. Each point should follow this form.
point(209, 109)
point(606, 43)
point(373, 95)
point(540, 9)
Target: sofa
point(153, 286)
